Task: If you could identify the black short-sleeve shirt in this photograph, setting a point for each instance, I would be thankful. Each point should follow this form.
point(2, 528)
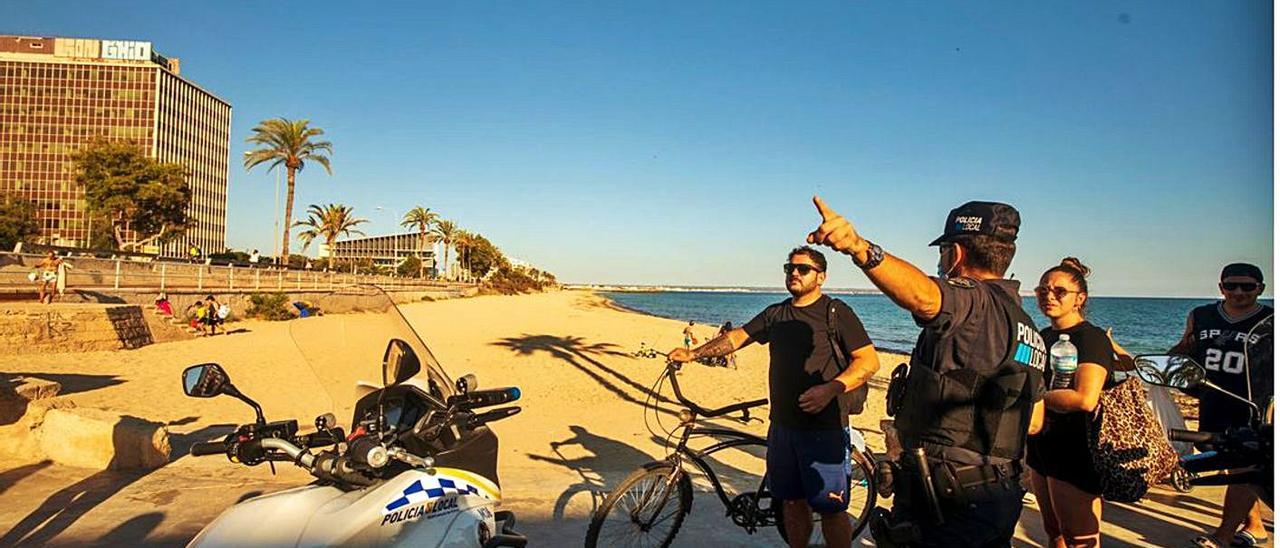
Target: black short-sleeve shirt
point(1062, 444)
point(800, 357)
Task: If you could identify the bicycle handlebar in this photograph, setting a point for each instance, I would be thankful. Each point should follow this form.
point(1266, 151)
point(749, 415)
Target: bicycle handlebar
point(672, 367)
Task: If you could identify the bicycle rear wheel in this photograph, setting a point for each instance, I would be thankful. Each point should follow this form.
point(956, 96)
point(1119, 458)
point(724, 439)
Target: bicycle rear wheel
point(646, 509)
point(862, 500)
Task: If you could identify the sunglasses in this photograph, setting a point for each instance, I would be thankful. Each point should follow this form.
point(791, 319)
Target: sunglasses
point(1242, 286)
point(803, 269)
point(1058, 292)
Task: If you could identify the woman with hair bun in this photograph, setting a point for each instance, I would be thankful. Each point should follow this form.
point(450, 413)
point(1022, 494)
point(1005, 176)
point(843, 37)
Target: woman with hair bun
point(1062, 477)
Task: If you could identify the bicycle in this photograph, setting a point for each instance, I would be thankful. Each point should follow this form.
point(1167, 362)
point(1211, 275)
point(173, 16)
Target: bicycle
point(660, 493)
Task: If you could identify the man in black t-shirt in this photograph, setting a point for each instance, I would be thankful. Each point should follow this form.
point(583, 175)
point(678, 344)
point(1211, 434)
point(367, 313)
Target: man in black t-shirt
point(974, 389)
point(808, 456)
point(1232, 340)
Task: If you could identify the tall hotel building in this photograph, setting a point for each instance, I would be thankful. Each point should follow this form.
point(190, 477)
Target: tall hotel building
point(58, 93)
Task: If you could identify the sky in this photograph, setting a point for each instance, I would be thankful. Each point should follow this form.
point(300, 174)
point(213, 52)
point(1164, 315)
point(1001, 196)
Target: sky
point(679, 143)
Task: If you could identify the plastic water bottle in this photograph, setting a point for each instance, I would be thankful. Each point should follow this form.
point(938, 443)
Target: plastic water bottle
point(1064, 358)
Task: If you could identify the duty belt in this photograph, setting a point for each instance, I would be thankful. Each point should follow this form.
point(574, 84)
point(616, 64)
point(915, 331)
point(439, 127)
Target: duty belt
point(983, 474)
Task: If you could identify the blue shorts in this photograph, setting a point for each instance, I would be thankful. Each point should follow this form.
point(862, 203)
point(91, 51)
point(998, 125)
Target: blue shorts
point(810, 465)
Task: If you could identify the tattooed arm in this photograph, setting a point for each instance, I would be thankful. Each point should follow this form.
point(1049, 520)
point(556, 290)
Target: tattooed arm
point(720, 346)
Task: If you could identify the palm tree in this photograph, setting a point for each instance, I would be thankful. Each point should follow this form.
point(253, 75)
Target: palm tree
point(447, 232)
point(421, 218)
point(328, 222)
point(287, 142)
point(462, 243)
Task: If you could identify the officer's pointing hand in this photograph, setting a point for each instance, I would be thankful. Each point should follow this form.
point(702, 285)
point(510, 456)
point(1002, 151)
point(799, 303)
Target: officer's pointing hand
point(835, 231)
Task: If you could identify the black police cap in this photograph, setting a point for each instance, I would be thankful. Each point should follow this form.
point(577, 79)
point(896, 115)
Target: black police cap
point(973, 218)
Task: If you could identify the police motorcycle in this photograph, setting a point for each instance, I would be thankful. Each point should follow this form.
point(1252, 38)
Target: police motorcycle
point(1237, 456)
point(418, 467)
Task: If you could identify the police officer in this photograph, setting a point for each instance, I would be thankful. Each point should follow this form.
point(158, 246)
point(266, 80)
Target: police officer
point(974, 383)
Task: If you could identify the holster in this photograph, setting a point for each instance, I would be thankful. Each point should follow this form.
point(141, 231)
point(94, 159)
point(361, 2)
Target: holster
point(891, 533)
point(897, 386)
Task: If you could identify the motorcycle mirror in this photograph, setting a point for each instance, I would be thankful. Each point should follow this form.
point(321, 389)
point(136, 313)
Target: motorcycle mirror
point(399, 363)
point(467, 383)
point(1170, 370)
point(205, 380)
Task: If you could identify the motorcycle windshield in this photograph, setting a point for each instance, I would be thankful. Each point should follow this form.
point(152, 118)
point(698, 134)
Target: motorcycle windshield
point(344, 337)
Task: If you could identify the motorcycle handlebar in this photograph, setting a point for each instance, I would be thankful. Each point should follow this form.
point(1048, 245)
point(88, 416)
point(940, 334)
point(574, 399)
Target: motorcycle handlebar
point(484, 398)
point(295, 453)
point(202, 448)
point(1176, 434)
point(476, 420)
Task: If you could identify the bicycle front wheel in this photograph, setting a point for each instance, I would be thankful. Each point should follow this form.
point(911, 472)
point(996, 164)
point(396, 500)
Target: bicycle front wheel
point(862, 499)
point(646, 509)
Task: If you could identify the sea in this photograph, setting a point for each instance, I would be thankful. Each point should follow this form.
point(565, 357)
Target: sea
point(1142, 325)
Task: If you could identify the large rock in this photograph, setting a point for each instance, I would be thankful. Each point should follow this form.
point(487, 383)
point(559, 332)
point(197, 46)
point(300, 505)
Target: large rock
point(17, 393)
point(100, 439)
point(31, 388)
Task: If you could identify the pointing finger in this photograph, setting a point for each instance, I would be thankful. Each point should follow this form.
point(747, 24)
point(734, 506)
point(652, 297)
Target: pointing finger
point(823, 209)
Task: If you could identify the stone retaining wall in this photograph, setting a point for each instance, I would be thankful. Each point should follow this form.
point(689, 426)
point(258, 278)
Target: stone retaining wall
point(34, 328)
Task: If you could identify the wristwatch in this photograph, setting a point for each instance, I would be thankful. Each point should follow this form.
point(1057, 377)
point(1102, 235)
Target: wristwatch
point(875, 255)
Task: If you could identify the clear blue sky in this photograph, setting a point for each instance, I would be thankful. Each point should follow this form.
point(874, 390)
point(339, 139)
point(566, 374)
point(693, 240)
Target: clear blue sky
point(679, 143)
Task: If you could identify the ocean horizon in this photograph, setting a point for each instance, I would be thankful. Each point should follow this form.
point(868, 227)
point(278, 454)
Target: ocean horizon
point(1142, 325)
point(643, 288)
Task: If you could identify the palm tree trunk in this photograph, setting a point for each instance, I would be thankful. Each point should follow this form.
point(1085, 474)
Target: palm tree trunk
point(422, 244)
point(328, 259)
point(288, 216)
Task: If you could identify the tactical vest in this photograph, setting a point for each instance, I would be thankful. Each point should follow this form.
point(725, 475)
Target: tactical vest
point(971, 416)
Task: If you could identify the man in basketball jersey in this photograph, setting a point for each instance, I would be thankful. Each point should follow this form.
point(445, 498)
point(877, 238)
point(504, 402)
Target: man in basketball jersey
point(1228, 338)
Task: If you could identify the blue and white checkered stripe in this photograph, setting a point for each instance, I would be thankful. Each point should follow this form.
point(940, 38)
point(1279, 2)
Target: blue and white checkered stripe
point(431, 488)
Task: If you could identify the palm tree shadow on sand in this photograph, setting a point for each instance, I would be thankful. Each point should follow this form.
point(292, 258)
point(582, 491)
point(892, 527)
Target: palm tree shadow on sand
point(584, 357)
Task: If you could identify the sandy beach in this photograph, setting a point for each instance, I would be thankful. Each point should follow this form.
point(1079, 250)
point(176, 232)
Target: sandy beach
point(581, 430)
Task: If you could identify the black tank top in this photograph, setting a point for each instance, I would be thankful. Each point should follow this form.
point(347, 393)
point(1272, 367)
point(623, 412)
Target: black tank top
point(1218, 344)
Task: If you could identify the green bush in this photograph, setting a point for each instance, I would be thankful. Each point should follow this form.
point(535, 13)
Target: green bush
point(269, 306)
point(513, 281)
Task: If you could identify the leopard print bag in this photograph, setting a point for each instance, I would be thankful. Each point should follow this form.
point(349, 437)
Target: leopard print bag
point(1129, 447)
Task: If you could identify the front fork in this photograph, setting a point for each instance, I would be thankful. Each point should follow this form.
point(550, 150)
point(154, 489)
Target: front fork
point(664, 489)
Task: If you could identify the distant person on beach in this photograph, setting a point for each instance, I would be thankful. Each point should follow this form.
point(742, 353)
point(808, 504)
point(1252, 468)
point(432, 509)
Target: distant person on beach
point(48, 276)
point(689, 338)
point(1069, 492)
point(253, 259)
point(162, 304)
point(1215, 337)
point(193, 253)
point(979, 360)
point(807, 461)
point(730, 360)
point(197, 311)
point(215, 314)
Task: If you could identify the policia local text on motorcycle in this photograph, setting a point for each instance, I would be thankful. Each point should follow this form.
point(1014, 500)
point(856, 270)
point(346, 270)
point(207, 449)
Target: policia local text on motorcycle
point(974, 382)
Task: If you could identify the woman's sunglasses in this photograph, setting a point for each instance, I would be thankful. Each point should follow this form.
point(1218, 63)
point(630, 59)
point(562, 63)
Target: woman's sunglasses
point(1058, 292)
point(1242, 286)
point(803, 269)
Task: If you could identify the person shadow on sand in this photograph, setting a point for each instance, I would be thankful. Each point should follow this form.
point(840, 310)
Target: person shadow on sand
point(608, 462)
